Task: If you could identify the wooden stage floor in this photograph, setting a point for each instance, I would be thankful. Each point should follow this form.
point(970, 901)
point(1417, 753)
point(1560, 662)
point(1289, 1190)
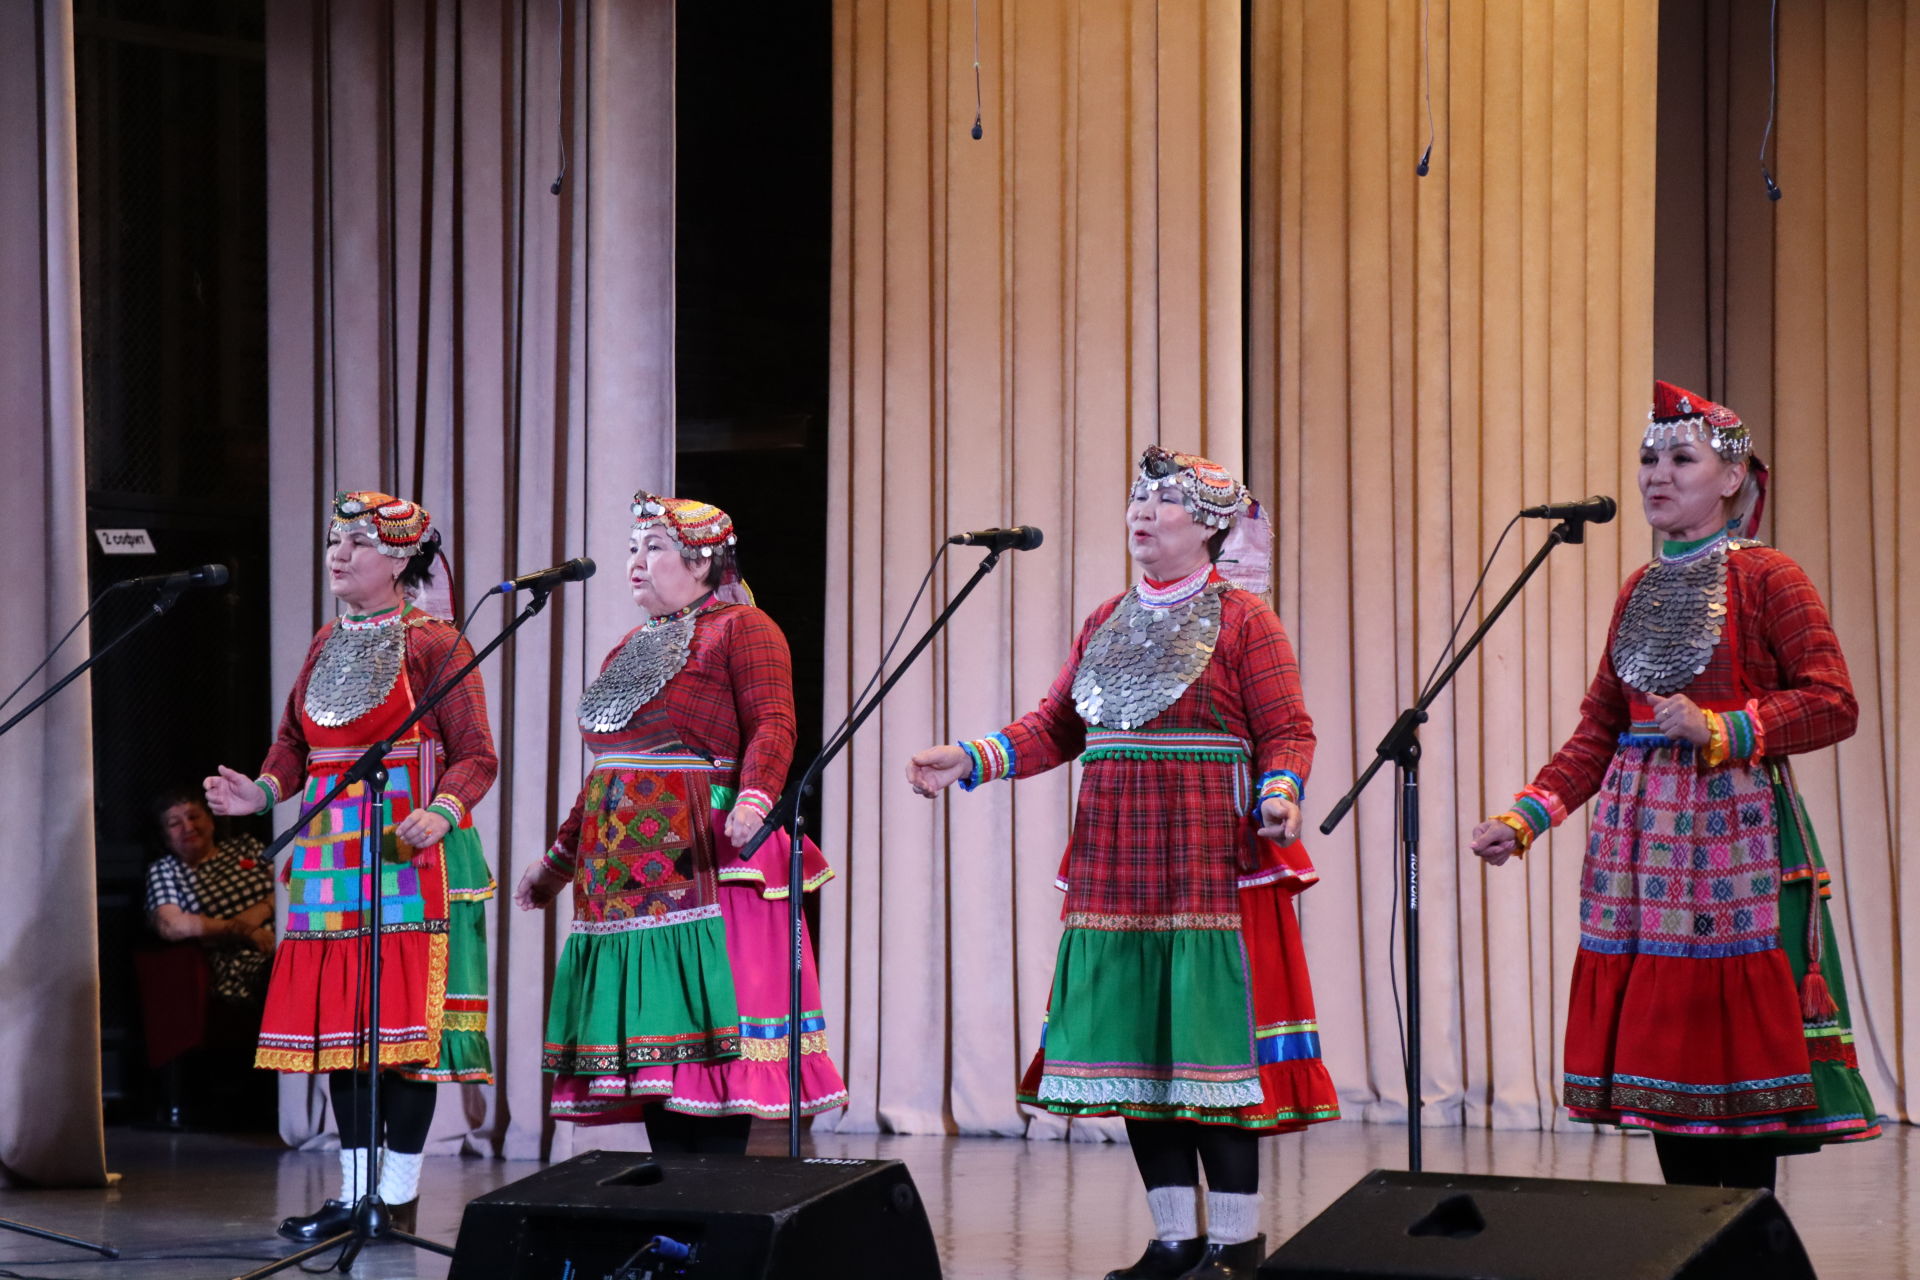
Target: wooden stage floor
point(205, 1206)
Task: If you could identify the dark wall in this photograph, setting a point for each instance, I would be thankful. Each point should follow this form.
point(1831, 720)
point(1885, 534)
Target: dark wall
point(754, 128)
point(171, 97)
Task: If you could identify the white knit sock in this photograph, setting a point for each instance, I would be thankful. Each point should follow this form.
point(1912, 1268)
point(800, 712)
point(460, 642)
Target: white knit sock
point(1175, 1212)
point(353, 1174)
point(1232, 1219)
point(399, 1176)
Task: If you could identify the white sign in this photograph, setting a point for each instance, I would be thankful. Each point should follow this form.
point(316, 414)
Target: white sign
point(124, 542)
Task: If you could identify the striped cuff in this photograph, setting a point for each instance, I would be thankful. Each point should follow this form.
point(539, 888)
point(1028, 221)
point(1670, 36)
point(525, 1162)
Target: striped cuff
point(1746, 740)
point(1279, 784)
point(992, 758)
point(1522, 833)
point(271, 789)
point(1714, 753)
point(1733, 737)
point(756, 802)
point(450, 808)
point(1538, 808)
point(558, 860)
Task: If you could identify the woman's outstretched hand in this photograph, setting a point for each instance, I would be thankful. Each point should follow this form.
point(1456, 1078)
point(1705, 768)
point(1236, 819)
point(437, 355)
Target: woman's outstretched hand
point(934, 770)
point(1494, 841)
point(232, 793)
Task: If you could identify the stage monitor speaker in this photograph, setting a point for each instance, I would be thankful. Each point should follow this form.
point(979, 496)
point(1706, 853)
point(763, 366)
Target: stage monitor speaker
point(624, 1215)
point(1451, 1226)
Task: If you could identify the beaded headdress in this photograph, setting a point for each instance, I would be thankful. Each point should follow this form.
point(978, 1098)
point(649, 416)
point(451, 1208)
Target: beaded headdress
point(1679, 416)
point(398, 527)
point(1212, 496)
point(1215, 499)
point(401, 530)
point(700, 528)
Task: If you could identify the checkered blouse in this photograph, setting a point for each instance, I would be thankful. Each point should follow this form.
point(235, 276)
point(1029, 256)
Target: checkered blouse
point(233, 878)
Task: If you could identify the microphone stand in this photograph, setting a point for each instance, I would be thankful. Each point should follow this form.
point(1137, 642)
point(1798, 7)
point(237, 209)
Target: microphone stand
point(1402, 746)
point(168, 597)
point(786, 813)
point(370, 1218)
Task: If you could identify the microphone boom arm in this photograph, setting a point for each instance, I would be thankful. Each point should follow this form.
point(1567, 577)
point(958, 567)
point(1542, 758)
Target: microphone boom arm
point(169, 597)
point(789, 801)
point(1406, 729)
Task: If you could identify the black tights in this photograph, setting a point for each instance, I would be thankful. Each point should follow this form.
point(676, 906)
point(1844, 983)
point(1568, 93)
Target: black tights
point(1714, 1162)
point(672, 1132)
point(1170, 1153)
point(406, 1110)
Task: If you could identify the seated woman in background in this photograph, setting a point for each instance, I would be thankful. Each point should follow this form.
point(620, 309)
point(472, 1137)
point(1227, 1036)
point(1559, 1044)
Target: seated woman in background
point(219, 895)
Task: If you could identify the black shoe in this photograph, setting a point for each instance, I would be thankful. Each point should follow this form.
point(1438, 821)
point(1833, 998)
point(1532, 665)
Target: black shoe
point(404, 1216)
point(1230, 1261)
point(330, 1219)
point(1164, 1260)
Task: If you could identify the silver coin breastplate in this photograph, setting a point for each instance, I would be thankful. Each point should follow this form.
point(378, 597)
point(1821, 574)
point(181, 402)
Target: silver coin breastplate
point(1141, 659)
point(651, 656)
point(1673, 621)
point(355, 672)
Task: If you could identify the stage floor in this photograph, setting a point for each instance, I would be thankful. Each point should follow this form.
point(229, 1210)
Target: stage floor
point(203, 1206)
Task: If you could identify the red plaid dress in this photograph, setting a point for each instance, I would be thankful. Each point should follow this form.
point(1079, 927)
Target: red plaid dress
point(1702, 903)
point(1181, 988)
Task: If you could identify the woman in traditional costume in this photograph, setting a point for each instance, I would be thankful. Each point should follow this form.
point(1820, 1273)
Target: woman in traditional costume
point(670, 1004)
point(1180, 994)
point(1707, 1002)
point(362, 677)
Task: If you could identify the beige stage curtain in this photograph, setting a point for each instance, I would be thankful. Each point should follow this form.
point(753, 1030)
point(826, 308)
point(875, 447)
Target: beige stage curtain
point(1845, 446)
point(1013, 320)
point(445, 328)
point(50, 1130)
point(1429, 355)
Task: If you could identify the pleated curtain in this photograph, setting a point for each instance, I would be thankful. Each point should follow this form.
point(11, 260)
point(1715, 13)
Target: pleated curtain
point(1428, 355)
point(1838, 340)
point(445, 328)
point(1422, 359)
point(50, 1124)
point(1014, 318)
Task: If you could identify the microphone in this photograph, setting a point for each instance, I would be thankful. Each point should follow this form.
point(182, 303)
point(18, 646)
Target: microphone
point(1595, 510)
point(1022, 537)
point(207, 575)
point(547, 579)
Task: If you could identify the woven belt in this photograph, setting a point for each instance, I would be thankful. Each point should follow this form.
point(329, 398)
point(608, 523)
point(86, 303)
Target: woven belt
point(1165, 744)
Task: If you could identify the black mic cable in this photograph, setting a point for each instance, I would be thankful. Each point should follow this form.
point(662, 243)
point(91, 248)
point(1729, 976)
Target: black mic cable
point(1773, 96)
point(1426, 54)
point(91, 605)
point(978, 132)
point(560, 87)
point(881, 669)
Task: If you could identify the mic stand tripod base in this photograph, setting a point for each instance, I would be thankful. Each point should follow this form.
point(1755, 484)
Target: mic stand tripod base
point(104, 1250)
point(372, 1222)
